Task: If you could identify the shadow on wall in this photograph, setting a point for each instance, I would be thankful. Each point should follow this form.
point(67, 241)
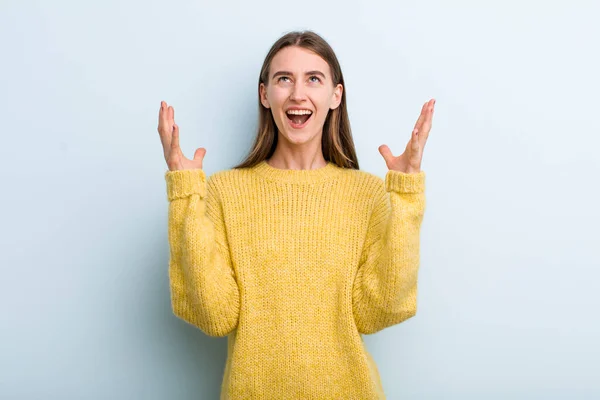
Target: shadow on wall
point(189, 364)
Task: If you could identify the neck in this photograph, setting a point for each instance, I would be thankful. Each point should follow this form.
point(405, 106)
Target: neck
point(297, 156)
point(297, 162)
point(297, 176)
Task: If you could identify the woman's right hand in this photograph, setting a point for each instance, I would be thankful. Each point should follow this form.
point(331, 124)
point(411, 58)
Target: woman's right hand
point(169, 136)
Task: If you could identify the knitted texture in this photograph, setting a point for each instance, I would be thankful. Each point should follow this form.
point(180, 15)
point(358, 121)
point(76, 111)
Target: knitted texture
point(293, 266)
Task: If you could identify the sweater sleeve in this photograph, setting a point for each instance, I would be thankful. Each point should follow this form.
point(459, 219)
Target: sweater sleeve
point(203, 287)
point(384, 292)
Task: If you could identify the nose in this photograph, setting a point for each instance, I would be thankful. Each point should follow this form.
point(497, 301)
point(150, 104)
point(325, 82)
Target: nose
point(297, 92)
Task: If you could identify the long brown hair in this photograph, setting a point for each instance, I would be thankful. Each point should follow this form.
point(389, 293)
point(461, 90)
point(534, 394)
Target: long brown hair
point(337, 143)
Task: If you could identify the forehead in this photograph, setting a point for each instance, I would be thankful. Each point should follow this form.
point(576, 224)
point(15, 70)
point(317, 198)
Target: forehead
point(297, 60)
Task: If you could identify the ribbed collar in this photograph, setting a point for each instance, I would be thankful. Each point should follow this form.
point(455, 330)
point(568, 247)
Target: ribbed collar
point(300, 176)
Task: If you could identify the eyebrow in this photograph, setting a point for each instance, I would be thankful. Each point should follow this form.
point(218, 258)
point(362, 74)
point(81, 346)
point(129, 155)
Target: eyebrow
point(278, 73)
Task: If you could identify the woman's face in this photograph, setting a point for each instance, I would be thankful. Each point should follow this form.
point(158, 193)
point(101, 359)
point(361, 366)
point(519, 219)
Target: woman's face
point(300, 79)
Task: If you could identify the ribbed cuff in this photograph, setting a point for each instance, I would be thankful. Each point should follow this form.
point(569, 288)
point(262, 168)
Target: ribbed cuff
point(182, 183)
point(405, 183)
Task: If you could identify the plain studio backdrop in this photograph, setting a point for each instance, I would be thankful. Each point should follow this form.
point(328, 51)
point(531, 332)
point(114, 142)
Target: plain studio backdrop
point(508, 286)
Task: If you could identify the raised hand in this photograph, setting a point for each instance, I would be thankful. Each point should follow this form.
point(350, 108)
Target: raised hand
point(168, 131)
point(410, 161)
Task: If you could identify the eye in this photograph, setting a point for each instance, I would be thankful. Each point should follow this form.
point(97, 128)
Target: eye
point(316, 77)
point(282, 77)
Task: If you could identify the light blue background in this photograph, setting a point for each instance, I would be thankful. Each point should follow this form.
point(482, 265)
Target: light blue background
point(508, 289)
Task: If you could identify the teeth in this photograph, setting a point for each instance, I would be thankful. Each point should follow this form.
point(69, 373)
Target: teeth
point(299, 112)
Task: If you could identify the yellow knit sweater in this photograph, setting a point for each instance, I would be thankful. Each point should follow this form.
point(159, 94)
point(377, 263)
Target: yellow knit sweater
point(293, 266)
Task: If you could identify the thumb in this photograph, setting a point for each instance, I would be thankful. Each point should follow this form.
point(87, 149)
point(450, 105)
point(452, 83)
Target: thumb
point(199, 154)
point(386, 153)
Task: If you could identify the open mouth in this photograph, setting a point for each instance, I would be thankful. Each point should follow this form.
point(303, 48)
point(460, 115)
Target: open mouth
point(299, 121)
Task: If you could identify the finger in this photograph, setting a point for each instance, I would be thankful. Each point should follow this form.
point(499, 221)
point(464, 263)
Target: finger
point(175, 140)
point(162, 114)
point(421, 116)
point(426, 126)
point(386, 153)
point(162, 123)
point(426, 113)
point(414, 143)
point(424, 132)
point(425, 123)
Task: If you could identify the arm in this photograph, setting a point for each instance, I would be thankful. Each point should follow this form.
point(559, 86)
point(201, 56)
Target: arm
point(385, 288)
point(204, 290)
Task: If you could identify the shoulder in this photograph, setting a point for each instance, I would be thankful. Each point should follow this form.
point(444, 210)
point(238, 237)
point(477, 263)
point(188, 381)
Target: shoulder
point(365, 176)
point(226, 176)
point(218, 176)
point(369, 181)
point(227, 182)
point(365, 187)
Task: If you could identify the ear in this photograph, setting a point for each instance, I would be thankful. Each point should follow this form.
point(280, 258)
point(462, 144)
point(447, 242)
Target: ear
point(336, 98)
point(263, 95)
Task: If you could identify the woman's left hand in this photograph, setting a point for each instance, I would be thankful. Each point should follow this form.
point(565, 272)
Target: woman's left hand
point(410, 161)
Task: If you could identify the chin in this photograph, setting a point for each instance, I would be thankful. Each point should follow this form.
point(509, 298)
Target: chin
point(299, 137)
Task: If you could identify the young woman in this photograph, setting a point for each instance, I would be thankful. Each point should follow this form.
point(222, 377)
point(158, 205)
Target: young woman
point(295, 253)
